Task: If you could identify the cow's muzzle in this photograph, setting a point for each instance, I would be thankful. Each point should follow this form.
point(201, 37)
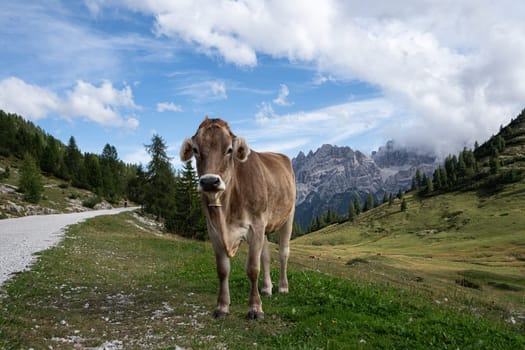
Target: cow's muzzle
point(211, 183)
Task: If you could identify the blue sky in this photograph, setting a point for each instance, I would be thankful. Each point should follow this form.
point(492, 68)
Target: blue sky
point(287, 75)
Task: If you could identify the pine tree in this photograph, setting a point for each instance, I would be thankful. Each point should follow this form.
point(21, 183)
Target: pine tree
point(113, 174)
point(437, 178)
point(159, 197)
point(429, 186)
point(370, 203)
point(390, 199)
point(93, 173)
point(351, 211)
point(385, 198)
point(72, 159)
point(51, 157)
point(297, 230)
point(137, 185)
point(187, 217)
point(357, 205)
point(419, 181)
point(30, 180)
point(400, 194)
point(494, 164)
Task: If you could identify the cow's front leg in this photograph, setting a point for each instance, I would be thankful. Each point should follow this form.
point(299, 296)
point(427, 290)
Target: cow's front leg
point(223, 271)
point(253, 265)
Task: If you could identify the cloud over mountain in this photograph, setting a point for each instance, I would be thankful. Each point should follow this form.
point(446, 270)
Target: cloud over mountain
point(454, 69)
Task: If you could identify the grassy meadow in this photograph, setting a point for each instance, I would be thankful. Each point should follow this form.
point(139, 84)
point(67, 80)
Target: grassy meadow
point(116, 282)
point(467, 247)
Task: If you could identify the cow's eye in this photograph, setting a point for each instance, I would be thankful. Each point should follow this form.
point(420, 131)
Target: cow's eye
point(229, 151)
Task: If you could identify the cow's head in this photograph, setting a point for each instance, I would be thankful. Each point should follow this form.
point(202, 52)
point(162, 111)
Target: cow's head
point(216, 149)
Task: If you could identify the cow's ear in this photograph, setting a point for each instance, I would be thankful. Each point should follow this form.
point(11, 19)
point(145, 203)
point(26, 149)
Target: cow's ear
point(241, 149)
point(186, 150)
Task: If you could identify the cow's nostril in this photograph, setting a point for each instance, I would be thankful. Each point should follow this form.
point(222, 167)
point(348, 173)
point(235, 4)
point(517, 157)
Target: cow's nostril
point(210, 182)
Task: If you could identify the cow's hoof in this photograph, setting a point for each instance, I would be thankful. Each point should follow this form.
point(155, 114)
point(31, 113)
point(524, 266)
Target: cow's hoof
point(283, 290)
point(266, 292)
point(254, 315)
point(220, 314)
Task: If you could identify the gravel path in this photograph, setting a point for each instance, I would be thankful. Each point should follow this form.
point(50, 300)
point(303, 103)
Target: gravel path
point(21, 237)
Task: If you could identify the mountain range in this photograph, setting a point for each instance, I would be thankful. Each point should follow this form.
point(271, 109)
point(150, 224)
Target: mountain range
point(332, 176)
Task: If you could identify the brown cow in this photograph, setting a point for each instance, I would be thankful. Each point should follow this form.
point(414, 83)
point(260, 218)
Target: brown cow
point(245, 195)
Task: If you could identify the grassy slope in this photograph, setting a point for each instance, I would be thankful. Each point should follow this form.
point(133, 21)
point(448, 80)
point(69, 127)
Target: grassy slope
point(57, 194)
point(459, 246)
point(116, 281)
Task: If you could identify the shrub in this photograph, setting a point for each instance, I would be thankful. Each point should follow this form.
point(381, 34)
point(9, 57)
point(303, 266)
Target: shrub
point(91, 202)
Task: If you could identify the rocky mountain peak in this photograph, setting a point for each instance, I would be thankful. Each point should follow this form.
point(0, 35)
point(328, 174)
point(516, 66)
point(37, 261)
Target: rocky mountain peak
point(332, 176)
point(393, 154)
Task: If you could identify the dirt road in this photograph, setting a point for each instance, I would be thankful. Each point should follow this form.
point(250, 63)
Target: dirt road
point(21, 237)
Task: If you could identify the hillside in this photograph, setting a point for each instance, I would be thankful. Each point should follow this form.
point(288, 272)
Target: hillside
point(58, 195)
point(464, 240)
point(456, 246)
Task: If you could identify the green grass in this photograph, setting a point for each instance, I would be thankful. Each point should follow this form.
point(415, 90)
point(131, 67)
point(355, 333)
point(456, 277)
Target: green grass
point(432, 247)
point(116, 281)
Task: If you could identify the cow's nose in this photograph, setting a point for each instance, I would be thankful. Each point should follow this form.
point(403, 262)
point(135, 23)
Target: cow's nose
point(211, 183)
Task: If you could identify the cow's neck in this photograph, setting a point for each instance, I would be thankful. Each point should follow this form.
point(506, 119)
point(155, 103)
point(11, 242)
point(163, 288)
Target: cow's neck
point(220, 213)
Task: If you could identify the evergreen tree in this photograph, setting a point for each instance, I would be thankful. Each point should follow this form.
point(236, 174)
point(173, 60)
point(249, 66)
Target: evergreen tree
point(385, 198)
point(400, 194)
point(351, 212)
point(444, 177)
point(297, 230)
point(414, 185)
point(494, 164)
point(72, 159)
point(187, 217)
point(429, 186)
point(357, 205)
point(93, 173)
point(314, 225)
point(438, 182)
point(113, 174)
point(50, 161)
point(419, 180)
point(137, 185)
point(370, 203)
point(30, 180)
point(159, 197)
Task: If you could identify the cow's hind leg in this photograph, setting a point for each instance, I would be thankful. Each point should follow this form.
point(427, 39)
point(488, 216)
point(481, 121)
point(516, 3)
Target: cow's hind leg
point(265, 259)
point(285, 234)
point(253, 265)
point(223, 272)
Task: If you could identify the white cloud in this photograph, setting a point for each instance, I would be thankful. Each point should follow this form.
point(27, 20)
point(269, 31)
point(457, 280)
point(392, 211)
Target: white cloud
point(205, 91)
point(281, 98)
point(102, 105)
point(137, 156)
point(218, 89)
point(30, 101)
point(454, 67)
point(168, 106)
point(333, 124)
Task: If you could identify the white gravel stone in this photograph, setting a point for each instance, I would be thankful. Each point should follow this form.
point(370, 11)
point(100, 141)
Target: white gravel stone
point(21, 237)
